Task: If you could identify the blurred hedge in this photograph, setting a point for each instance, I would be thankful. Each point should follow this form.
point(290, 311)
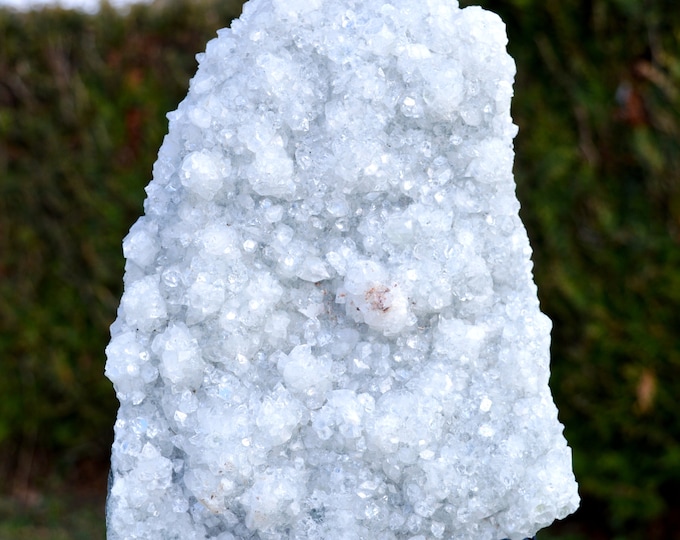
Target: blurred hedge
point(82, 104)
point(83, 100)
point(598, 173)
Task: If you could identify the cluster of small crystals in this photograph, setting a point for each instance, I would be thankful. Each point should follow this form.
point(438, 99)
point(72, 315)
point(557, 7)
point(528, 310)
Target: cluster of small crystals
point(329, 327)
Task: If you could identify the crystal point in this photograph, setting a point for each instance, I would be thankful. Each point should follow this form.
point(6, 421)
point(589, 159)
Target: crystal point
point(330, 327)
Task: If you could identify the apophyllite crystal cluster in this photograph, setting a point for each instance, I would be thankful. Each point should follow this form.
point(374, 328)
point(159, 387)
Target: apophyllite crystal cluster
point(329, 328)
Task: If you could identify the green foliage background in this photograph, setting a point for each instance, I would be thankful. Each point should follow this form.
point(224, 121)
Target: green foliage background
point(82, 105)
point(598, 173)
point(83, 100)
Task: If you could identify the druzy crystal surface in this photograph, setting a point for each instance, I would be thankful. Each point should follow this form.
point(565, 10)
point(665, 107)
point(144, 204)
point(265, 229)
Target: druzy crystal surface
point(329, 328)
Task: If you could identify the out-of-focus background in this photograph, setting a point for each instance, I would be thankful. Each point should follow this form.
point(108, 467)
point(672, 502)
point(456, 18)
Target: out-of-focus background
point(83, 98)
point(91, 6)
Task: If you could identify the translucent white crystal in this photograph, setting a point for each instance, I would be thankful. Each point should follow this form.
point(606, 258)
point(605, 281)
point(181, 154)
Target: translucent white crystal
point(329, 327)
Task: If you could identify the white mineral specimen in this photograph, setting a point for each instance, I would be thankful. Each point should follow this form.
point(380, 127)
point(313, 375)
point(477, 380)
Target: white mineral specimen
point(329, 328)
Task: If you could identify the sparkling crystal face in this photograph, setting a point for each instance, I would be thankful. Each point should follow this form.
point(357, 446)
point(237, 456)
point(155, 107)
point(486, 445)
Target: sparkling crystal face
point(329, 327)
